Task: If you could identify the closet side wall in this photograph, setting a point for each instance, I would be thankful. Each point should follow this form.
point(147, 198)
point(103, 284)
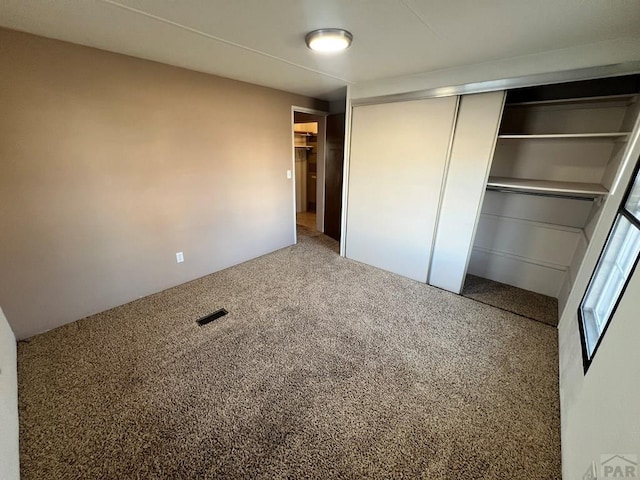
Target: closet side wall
point(397, 162)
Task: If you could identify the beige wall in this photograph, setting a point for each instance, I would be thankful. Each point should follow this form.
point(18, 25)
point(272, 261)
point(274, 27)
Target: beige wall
point(9, 459)
point(109, 165)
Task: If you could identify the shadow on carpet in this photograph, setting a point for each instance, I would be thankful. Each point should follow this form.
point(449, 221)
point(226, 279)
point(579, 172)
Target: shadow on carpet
point(512, 299)
point(308, 235)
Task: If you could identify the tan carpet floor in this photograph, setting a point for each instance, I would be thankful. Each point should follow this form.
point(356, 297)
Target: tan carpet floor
point(323, 368)
point(513, 299)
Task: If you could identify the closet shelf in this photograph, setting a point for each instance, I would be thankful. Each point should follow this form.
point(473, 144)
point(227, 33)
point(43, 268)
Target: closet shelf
point(308, 147)
point(591, 190)
point(622, 135)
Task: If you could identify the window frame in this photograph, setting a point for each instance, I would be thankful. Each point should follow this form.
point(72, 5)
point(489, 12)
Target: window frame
point(635, 222)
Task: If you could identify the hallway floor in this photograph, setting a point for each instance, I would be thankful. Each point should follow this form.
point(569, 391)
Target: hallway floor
point(306, 219)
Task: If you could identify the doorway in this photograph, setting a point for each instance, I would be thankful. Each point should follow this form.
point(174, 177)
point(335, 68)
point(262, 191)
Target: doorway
point(307, 146)
point(309, 127)
point(318, 145)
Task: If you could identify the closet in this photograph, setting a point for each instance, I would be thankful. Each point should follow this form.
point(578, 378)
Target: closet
point(306, 152)
point(505, 185)
point(558, 151)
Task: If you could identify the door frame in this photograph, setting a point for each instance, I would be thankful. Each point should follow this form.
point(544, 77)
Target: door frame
point(320, 193)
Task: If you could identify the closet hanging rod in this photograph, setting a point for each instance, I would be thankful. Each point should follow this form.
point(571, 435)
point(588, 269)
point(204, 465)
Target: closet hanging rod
point(541, 194)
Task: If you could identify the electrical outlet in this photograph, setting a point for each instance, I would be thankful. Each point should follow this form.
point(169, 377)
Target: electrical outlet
point(179, 257)
point(289, 174)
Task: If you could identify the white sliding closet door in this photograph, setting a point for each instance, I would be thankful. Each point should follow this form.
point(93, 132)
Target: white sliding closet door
point(397, 163)
point(473, 146)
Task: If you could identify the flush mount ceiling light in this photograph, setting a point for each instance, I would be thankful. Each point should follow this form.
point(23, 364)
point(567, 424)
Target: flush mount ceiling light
point(328, 40)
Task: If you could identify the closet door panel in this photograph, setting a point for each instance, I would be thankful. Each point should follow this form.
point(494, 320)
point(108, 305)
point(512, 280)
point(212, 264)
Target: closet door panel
point(473, 146)
point(397, 162)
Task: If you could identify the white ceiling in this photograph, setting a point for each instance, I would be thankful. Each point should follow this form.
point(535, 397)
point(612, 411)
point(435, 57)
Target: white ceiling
point(262, 41)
